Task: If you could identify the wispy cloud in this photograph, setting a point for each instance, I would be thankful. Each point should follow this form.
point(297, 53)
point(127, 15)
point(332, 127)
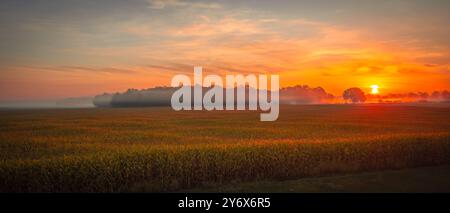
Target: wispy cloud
point(162, 4)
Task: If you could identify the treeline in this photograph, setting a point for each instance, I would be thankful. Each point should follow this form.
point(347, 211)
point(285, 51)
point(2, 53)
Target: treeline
point(300, 94)
point(161, 96)
point(436, 96)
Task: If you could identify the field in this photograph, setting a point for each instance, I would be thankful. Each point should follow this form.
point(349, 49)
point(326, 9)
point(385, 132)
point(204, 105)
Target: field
point(160, 150)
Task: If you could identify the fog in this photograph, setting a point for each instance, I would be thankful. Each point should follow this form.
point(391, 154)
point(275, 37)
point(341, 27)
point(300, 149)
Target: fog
point(80, 102)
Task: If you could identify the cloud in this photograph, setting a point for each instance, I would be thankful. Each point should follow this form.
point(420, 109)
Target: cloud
point(222, 27)
point(143, 43)
point(74, 69)
point(162, 4)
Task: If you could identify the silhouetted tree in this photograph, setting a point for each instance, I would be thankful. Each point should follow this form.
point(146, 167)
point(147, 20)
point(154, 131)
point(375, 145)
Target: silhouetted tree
point(445, 95)
point(435, 95)
point(356, 95)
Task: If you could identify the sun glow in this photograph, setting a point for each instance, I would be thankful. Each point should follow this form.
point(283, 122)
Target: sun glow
point(374, 89)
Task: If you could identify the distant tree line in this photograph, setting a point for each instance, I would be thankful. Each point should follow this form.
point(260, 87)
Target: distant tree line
point(300, 94)
point(161, 96)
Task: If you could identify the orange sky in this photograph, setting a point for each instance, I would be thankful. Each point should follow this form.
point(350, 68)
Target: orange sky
point(400, 46)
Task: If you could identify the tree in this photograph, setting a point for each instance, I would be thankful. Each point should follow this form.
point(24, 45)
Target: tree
point(356, 95)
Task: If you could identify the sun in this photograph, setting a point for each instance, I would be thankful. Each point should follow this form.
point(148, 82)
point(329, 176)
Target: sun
point(374, 89)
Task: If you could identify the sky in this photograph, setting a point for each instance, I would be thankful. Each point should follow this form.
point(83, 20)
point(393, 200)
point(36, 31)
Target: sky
point(73, 48)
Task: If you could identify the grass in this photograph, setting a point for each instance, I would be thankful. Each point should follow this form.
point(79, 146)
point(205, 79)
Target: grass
point(157, 149)
point(417, 180)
